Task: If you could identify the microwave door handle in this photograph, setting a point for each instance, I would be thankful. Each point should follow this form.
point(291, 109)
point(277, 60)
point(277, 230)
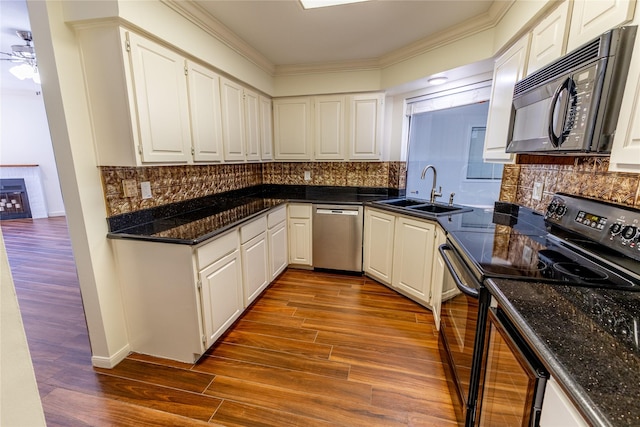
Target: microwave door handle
point(555, 139)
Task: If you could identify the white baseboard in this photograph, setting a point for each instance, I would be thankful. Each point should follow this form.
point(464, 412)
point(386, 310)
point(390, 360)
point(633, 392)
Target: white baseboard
point(56, 213)
point(112, 361)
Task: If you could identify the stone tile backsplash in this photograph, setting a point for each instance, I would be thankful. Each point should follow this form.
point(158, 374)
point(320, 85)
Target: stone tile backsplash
point(171, 184)
point(580, 176)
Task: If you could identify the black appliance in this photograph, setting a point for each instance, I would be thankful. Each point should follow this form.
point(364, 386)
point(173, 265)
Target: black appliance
point(577, 242)
point(572, 105)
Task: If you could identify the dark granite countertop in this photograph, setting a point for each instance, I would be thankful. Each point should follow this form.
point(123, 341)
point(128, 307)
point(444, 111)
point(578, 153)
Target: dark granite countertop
point(588, 339)
point(194, 221)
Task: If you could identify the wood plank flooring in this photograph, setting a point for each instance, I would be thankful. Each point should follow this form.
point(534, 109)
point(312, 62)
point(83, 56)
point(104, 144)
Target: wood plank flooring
point(316, 349)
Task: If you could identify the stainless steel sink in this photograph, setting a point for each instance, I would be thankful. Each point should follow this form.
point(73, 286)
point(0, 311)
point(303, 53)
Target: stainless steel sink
point(422, 207)
point(403, 203)
point(436, 209)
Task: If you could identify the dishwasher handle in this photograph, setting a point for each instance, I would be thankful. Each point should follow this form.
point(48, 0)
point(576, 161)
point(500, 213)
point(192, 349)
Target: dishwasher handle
point(466, 289)
point(323, 211)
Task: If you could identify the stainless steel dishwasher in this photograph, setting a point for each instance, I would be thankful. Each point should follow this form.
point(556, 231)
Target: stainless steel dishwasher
point(337, 237)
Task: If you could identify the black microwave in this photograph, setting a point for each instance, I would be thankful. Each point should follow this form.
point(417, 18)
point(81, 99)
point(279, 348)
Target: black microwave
point(571, 106)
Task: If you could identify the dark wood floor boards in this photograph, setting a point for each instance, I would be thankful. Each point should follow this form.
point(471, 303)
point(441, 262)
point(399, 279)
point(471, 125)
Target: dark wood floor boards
point(316, 349)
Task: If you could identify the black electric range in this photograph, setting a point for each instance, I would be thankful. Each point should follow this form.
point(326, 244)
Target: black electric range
point(577, 241)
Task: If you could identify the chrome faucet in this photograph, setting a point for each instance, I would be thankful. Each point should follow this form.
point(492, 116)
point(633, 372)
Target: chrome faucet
point(434, 193)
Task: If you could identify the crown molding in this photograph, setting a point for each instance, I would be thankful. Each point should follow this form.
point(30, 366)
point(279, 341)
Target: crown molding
point(466, 29)
point(205, 21)
point(200, 17)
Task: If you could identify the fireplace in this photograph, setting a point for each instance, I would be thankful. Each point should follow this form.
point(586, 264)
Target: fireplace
point(14, 202)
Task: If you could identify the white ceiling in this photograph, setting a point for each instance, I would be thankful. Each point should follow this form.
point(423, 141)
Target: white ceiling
point(287, 34)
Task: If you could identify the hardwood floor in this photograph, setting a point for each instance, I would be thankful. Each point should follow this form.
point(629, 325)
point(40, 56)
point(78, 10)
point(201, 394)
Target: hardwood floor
point(316, 349)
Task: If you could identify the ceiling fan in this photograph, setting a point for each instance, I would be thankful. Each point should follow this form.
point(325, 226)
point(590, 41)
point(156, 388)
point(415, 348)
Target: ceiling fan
point(25, 57)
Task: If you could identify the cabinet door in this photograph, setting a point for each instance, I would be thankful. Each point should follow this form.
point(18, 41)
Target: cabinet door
point(278, 254)
point(300, 241)
point(206, 119)
point(233, 128)
point(221, 295)
point(437, 276)
point(255, 267)
point(252, 125)
point(292, 132)
point(329, 127)
point(379, 231)
point(549, 38)
point(509, 68)
point(590, 18)
point(625, 152)
point(161, 101)
point(365, 126)
point(266, 128)
point(412, 257)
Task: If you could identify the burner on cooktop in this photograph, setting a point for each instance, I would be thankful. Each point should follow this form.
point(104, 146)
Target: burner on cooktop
point(579, 272)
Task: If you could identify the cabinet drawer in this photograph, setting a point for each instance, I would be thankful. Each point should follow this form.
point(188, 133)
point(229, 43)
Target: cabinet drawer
point(300, 211)
point(276, 216)
point(252, 229)
point(216, 249)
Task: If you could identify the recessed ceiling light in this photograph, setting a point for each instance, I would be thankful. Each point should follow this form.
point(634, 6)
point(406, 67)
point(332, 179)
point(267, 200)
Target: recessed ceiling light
point(312, 4)
point(437, 80)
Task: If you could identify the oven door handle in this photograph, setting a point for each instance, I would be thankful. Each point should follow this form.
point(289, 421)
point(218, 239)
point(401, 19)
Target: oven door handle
point(464, 288)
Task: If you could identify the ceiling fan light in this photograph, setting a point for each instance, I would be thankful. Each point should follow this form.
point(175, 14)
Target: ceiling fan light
point(36, 77)
point(22, 71)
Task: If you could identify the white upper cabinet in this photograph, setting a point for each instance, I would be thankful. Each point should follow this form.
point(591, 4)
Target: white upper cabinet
point(266, 128)
point(292, 128)
point(161, 101)
point(508, 69)
point(206, 120)
point(365, 126)
point(590, 18)
point(329, 127)
point(549, 38)
point(233, 127)
point(625, 152)
point(252, 125)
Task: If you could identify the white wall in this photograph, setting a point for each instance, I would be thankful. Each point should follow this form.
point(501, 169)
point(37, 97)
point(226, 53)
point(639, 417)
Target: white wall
point(25, 139)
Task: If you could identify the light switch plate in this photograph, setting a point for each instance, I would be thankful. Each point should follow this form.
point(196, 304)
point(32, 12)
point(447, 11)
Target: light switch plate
point(537, 190)
point(129, 187)
point(145, 187)
point(307, 175)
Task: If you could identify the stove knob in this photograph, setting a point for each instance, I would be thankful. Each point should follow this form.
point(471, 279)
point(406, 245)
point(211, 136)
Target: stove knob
point(551, 208)
point(615, 228)
point(561, 210)
point(629, 232)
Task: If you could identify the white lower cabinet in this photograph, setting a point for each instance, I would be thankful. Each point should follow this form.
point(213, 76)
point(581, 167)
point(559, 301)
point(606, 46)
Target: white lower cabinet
point(277, 239)
point(300, 243)
point(438, 293)
point(379, 229)
point(221, 287)
point(179, 299)
point(255, 258)
point(402, 252)
point(412, 255)
point(558, 410)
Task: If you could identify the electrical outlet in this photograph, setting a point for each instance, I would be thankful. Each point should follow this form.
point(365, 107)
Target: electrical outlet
point(537, 190)
point(129, 187)
point(145, 188)
point(307, 175)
